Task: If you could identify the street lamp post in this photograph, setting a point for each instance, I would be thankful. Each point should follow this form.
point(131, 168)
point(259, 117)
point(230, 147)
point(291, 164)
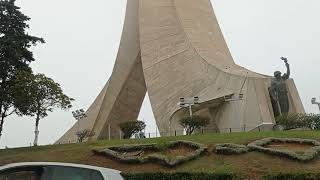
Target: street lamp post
point(189, 103)
point(314, 101)
point(78, 115)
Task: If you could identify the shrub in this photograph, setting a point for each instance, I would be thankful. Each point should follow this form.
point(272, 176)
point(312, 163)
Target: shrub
point(84, 134)
point(308, 155)
point(230, 148)
point(177, 176)
point(291, 121)
point(313, 121)
point(299, 120)
point(131, 127)
point(192, 123)
point(117, 153)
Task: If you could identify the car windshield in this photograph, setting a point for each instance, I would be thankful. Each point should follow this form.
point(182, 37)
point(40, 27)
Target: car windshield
point(23, 173)
point(71, 173)
point(50, 173)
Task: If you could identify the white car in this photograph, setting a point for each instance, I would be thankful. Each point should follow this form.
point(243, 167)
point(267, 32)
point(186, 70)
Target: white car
point(56, 171)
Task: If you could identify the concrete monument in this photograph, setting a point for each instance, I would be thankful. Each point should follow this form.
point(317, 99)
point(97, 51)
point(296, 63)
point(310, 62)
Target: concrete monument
point(174, 49)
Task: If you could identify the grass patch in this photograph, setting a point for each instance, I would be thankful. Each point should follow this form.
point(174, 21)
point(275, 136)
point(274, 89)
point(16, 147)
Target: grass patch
point(251, 165)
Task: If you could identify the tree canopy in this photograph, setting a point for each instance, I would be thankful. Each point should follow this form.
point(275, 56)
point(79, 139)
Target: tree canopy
point(131, 127)
point(46, 95)
point(15, 56)
point(42, 95)
point(192, 123)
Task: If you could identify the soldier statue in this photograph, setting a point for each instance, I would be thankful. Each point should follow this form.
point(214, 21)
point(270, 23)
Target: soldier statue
point(279, 91)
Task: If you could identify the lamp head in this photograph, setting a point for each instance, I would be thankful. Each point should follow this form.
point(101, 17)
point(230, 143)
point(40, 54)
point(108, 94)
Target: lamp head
point(313, 100)
point(196, 100)
point(228, 97)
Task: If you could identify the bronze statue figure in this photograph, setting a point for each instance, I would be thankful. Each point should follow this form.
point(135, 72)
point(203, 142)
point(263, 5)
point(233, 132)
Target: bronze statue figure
point(279, 91)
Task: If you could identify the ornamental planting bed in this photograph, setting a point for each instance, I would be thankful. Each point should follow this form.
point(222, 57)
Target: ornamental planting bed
point(230, 148)
point(170, 154)
point(292, 148)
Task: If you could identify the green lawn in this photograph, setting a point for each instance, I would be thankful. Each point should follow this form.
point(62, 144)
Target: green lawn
point(253, 164)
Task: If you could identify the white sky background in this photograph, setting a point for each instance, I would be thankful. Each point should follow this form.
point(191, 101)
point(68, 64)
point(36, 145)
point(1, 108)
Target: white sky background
point(82, 40)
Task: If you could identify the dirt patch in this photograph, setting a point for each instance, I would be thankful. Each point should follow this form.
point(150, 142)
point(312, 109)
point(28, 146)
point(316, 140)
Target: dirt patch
point(179, 150)
point(130, 154)
point(296, 147)
point(140, 153)
point(109, 163)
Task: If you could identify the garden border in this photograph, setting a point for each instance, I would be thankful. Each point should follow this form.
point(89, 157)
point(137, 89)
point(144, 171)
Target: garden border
point(114, 153)
point(230, 148)
point(308, 155)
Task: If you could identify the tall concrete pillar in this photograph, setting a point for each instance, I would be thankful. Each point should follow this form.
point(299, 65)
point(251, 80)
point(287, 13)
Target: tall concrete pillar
point(173, 49)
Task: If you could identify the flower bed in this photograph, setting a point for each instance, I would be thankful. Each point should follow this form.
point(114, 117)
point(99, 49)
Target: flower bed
point(307, 155)
point(230, 148)
point(155, 155)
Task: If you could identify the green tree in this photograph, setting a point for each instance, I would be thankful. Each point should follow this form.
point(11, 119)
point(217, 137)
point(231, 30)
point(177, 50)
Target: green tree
point(299, 120)
point(44, 95)
point(15, 55)
point(291, 121)
point(191, 124)
point(84, 134)
point(315, 121)
point(131, 127)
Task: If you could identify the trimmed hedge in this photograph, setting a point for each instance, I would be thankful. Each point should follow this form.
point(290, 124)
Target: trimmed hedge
point(299, 120)
point(306, 156)
point(116, 153)
point(180, 176)
point(230, 148)
point(295, 176)
point(216, 176)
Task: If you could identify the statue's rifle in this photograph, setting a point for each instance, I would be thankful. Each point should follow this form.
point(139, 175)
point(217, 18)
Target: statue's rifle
point(278, 103)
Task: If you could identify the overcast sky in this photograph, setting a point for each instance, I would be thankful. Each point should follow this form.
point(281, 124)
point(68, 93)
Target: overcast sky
point(82, 39)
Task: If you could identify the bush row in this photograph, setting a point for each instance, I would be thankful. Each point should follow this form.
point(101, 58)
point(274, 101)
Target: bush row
point(180, 176)
point(308, 155)
point(299, 120)
point(216, 176)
